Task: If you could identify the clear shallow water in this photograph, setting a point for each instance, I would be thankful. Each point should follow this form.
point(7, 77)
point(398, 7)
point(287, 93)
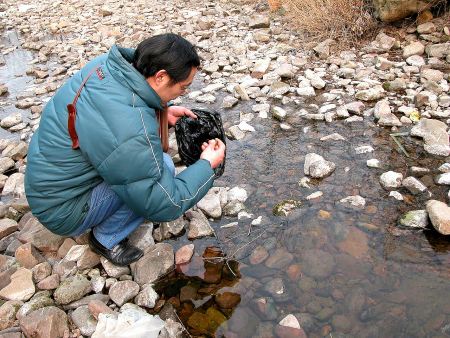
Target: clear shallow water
point(341, 272)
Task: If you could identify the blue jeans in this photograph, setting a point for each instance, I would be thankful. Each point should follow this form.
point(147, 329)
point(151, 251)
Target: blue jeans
point(109, 217)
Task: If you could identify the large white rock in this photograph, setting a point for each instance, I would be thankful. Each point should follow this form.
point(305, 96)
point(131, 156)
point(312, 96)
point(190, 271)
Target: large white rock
point(434, 134)
point(439, 213)
point(316, 166)
point(391, 180)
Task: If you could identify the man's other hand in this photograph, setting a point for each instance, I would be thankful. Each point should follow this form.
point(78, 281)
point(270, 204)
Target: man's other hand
point(175, 112)
point(214, 152)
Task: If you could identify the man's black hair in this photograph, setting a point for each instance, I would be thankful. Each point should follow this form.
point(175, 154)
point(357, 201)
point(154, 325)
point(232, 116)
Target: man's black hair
point(170, 52)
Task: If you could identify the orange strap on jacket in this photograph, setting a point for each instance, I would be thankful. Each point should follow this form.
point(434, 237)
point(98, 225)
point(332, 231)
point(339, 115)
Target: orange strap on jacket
point(72, 110)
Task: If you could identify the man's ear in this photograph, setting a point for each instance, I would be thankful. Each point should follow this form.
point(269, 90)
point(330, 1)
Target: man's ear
point(160, 76)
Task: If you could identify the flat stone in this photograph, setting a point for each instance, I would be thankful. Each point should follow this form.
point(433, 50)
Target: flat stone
point(435, 136)
point(372, 94)
point(49, 283)
point(198, 225)
point(35, 233)
point(11, 120)
point(227, 300)
point(6, 163)
point(123, 291)
point(258, 255)
point(21, 287)
point(356, 244)
point(317, 263)
point(280, 259)
point(39, 301)
point(356, 202)
point(41, 271)
point(96, 307)
point(154, 264)
point(27, 256)
point(184, 254)
point(7, 227)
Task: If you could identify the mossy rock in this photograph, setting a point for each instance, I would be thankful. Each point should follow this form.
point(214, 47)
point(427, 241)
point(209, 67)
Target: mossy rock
point(285, 207)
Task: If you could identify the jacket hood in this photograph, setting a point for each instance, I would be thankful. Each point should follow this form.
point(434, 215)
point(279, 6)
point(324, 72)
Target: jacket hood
point(119, 63)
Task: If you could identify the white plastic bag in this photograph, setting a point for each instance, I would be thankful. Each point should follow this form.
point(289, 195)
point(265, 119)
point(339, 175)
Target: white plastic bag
point(129, 323)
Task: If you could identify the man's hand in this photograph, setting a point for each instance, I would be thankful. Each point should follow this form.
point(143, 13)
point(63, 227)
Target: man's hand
point(175, 112)
point(214, 152)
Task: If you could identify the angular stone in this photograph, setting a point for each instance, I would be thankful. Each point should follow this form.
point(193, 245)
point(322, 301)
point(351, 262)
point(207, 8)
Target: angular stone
point(258, 255)
point(142, 237)
point(227, 300)
point(355, 202)
point(435, 136)
point(46, 322)
point(439, 213)
point(414, 48)
point(41, 271)
point(84, 320)
point(356, 244)
point(147, 297)
point(35, 233)
point(198, 225)
point(121, 292)
point(184, 254)
point(438, 50)
point(14, 185)
point(8, 313)
point(7, 226)
point(154, 264)
point(27, 256)
point(210, 205)
point(39, 301)
point(317, 167)
point(96, 307)
point(114, 270)
point(372, 94)
point(259, 21)
point(414, 185)
point(49, 283)
point(6, 163)
point(21, 287)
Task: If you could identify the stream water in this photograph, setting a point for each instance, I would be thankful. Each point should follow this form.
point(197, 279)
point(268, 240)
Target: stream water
point(342, 272)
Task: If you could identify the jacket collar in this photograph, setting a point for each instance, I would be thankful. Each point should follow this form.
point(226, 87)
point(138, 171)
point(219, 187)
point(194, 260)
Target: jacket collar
point(119, 63)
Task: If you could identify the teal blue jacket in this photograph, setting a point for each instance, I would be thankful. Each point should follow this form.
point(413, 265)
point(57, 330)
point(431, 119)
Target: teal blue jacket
point(119, 142)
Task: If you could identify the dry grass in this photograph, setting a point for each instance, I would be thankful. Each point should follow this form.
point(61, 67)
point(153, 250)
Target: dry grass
point(345, 21)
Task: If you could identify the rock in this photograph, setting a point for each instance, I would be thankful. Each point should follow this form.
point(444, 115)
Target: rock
point(84, 320)
point(373, 163)
point(72, 289)
point(8, 313)
point(41, 271)
point(356, 202)
point(289, 332)
point(317, 167)
point(121, 292)
point(227, 300)
point(333, 137)
point(279, 113)
point(259, 21)
point(385, 41)
point(46, 322)
point(21, 287)
point(35, 233)
point(86, 301)
point(364, 149)
point(235, 133)
point(198, 225)
point(27, 256)
point(39, 301)
point(382, 112)
point(391, 180)
point(280, 259)
point(14, 185)
point(7, 226)
point(142, 237)
point(279, 88)
point(184, 254)
point(154, 264)
point(210, 204)
point(435, 136)
point(356, 244)
point(290, 321)
point(16, 151)
point(394, 10)
point(260, 68)
point(285, 70)
point(170, 229)
point(438, 50)
point(147, 297)
point(49, 283)
point(229, 102)
point(258, 255)
point(317, 263)
point(11, 120)
point(284, 208)
point(356, 107)
point(323, 48)
point(97, 306)
point(233, 208)
point(415, 60)
point(6, 163)
point(414, 185)
point(414, 48)
point(237, 194)
point(306, 91)
point(114, 270)
point(372, 94)
point(439, 214)
point(3, 89)
point(414, 219)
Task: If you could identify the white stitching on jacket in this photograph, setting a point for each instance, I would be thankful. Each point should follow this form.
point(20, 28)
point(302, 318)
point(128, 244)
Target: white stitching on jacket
point(168, 195)
point(188, 199)
point(146, 135)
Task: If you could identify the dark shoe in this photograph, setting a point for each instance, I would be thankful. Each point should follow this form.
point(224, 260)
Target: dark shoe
point(122, 254)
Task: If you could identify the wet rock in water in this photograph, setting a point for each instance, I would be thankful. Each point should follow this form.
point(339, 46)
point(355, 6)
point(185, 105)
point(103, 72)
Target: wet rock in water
point(198, 225)
point(364, 149)
point(258, 255)
point(237, 194)
point(373, 163)
point(317, 167)
point(333, 137)
point(46, 322)
point(8, 313)
point(434, 134)
point(439, 213)
point(172, 329)
point(391, 180)
point(355, 244)
point(285, 207)
point(121, 292)
point(147, 297)
point(21, 287)
point(280, 259)
point(265, 307)
point(84, 320)
point(318, 263)
point(354, 202)
point(233, 208)
point(184, 254)
point(11, 120)
point(341, 323)
point(72, 289)
point(244, 321)
point(154, 264)
point(227, 300)
point(443, 179)
point(414, 185)
point(417, 219)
